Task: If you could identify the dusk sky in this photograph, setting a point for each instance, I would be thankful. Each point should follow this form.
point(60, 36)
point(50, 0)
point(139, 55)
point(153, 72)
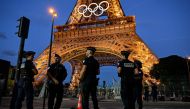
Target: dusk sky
point(162, 24)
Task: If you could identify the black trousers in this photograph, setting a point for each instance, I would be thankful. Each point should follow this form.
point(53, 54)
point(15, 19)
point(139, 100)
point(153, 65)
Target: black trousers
point(25, 88)
point(87, 89)
point(127, 95)
point(138, 96)
point(55, 91)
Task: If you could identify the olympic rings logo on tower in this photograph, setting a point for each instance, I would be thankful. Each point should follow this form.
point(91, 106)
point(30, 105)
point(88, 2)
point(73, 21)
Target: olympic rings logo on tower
point(93, 9)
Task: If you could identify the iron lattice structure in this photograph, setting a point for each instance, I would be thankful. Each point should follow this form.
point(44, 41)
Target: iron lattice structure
point(110, 36)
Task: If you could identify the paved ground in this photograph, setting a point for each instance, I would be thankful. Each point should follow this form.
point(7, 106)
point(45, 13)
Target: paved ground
point(68, 103)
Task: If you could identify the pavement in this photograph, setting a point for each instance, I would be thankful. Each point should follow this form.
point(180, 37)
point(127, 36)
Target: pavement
point(71, 103)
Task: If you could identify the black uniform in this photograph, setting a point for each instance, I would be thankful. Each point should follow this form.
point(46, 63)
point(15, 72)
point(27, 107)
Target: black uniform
point(25, 86)
point(59, 72)
point(89, 82)
point(127, 83)
point(138, 88)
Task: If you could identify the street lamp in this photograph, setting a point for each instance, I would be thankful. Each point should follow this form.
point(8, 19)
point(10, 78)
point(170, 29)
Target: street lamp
point(54, 14)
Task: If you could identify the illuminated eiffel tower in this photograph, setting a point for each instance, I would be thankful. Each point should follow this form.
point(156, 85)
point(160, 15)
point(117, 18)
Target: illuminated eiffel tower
point(101, 24)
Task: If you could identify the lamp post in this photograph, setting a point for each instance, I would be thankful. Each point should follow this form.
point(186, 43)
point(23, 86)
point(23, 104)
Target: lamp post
point(54, 14)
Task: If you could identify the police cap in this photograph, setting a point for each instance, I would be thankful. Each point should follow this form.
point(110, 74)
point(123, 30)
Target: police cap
point(56, 55)
point(92, 49)
point(29, 53)
point(125, 53)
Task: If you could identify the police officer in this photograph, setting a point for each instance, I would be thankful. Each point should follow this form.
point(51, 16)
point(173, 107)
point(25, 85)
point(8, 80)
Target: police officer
point(88, 80)
point(25, 87)
point(126, 72)
point(56, 75)
point(138, 83)
point(14, 90)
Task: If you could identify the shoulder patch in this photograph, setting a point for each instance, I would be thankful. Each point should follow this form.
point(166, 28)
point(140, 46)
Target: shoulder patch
point(22, 65)
point(118, 63)
point(83, 61)
point(48, 68)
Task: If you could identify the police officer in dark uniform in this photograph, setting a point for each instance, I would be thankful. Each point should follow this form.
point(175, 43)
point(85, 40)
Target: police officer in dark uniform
point(25, 86)
point(138, 83)
point(56, 75)
point(126, 72)
point(88, 80)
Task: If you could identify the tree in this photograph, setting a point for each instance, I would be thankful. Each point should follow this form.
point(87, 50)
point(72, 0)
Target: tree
point(171, 71)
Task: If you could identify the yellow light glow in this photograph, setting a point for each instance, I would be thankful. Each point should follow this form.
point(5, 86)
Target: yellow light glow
point(51, 10)
point(55, 14)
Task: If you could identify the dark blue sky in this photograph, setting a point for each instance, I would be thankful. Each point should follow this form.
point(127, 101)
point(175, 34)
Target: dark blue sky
point(162, 24)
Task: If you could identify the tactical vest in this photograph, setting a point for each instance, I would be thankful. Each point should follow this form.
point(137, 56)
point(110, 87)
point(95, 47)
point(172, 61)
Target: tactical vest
point(26, 70)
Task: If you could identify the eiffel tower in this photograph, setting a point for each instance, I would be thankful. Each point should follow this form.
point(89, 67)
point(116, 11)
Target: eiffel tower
point(101, 24)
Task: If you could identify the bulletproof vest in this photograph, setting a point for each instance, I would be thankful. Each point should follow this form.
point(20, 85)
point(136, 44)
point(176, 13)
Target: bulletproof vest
point(26, 69)
point(92, 68)
point(127, 72)
point(58, 71)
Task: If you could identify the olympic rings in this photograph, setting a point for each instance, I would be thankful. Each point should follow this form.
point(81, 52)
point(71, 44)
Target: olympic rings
point(93, 9)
